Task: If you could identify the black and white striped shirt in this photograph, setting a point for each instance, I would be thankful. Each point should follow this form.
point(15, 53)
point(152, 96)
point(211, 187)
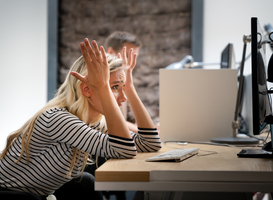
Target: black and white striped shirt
point(55, 134)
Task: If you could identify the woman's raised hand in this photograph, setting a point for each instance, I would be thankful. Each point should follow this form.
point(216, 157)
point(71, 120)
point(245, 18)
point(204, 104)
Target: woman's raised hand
point(130, 63)
point(98, 74)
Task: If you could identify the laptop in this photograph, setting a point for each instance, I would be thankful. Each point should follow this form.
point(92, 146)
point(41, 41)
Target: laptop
point(196, 104)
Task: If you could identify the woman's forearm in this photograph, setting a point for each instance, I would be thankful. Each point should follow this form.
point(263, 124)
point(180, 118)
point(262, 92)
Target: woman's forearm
point(116, 123)
point(142, 116)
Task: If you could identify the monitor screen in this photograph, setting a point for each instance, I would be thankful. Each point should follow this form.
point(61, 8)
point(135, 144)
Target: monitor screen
point(260, 99)
point(228, 57)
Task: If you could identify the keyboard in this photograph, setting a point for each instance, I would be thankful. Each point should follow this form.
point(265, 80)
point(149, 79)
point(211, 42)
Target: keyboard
point(174, 155)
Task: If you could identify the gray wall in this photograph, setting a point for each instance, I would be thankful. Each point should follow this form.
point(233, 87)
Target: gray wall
point(23, 61)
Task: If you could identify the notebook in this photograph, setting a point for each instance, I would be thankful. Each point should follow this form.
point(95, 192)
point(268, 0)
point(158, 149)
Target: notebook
point(196, 104)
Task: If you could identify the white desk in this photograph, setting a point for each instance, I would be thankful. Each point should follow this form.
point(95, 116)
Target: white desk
point(221, 172)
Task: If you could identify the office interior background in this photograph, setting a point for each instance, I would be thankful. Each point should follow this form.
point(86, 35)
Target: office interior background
point(169, 30)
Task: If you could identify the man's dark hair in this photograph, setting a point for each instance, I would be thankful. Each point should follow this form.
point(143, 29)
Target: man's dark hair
point(117, 39)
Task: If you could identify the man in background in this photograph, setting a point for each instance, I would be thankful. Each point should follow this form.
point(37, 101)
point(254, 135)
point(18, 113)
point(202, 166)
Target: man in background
point(114, 44)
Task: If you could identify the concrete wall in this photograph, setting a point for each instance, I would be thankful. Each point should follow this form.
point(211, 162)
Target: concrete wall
point(163, 27)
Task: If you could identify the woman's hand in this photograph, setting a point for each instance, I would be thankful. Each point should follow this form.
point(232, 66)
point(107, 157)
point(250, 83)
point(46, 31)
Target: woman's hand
point(98, 74)
point(142, 117)
point(130, 64)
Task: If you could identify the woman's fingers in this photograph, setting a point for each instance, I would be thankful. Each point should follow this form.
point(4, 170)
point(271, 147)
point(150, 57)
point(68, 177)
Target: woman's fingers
point(89, 49)
point(133, 64)
point(96, 64)
point(123, 55)
point(103, 54)
point(78, 76)
point(130, 57)
point(85, 54)
point(94, 54)
point(97, 51)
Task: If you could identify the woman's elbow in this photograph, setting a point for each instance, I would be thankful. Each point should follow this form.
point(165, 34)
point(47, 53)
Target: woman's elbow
point(129, 153)
point(151, 148)
point(157, 147)
point(132, 154)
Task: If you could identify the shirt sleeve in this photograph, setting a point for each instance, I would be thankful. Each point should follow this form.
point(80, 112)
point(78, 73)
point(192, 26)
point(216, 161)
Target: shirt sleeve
point(147, 140)
point(63, 127)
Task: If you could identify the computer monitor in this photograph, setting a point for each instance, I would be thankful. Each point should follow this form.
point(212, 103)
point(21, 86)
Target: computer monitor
point(261, 108)
point(228, 57)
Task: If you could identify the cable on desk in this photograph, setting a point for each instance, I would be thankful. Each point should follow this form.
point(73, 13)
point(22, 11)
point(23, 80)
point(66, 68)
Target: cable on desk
point(260, 139)
point(207, 154)
point(208, 143)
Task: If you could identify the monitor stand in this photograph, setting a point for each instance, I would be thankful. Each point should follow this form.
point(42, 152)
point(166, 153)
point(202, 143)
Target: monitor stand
point(235, 140)
point(235, 124)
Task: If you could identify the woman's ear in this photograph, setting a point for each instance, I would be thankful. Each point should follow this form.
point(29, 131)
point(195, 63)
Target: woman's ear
point(85, 90)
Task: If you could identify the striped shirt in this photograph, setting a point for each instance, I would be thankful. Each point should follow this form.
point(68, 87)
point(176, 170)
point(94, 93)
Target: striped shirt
point(56, 132)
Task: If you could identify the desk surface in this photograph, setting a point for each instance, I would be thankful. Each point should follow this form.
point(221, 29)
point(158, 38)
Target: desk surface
point(213, 172)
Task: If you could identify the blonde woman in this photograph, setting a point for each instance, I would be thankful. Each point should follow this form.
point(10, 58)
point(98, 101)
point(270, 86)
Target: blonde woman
point(53, 147)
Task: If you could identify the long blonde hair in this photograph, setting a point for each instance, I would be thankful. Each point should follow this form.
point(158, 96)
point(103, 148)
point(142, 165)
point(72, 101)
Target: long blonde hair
point(68, 96)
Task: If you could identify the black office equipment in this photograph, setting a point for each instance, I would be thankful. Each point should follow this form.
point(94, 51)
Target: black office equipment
point(261, 108)
point(228, 57)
